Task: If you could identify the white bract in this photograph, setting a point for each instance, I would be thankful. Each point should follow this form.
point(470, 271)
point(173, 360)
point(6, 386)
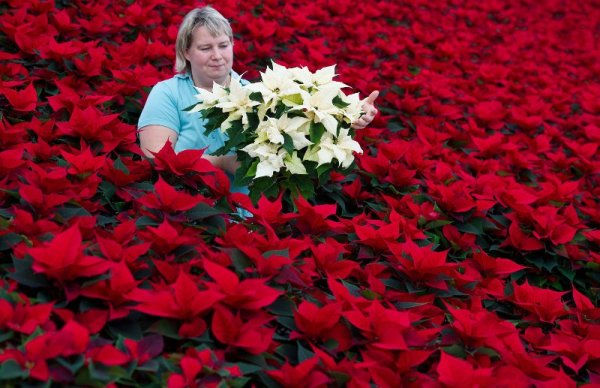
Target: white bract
point(293, 104)
point(237, 104)
point(270, 157)
point(207, 99)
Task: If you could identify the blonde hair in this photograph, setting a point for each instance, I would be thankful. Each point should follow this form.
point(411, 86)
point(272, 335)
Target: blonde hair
point(207, 17)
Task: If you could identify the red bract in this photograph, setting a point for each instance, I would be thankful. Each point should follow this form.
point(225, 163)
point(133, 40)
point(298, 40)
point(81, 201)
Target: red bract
point(83, 163)
point(64, 260)
point(107, 355)
point(191, 162)
point(248, 294)
point(557, 228)
point(25, 317)
point(265, 252)
point(421, 263)
point(165, 238)
point(490, 113)
point(328, 258)
point(384, 328)
point(21, 100)
point(322, 324)
point(457, 372)
point(72, 339)
point(167, 199)
point(180, 300)
point(304, 374)
point(249, 335)
point(480, 328)
point(544, 304)
point(119, 251)
point(201, 368)
point(314, 219)
point(93, 126)
point(115, 290)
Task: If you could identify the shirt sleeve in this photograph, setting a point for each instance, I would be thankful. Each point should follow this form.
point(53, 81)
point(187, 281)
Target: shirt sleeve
point(160, 109)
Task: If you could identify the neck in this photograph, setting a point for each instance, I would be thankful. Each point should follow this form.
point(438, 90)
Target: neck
point(224, 82)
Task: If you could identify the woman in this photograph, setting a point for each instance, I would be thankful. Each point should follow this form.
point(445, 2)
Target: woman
point(204, 54)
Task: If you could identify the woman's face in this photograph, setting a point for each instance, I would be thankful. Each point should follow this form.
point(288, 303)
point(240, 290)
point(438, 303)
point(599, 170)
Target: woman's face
point(210, 57)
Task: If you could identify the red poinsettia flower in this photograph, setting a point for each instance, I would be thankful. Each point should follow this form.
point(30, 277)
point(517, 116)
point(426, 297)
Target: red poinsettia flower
point(64, 259)
point(23, 100)
point(180, 300)
point(544, 304)
point(248, 294)
point(249, 334)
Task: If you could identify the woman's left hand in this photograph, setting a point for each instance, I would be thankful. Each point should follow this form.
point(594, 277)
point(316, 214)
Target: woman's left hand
point(370, 111)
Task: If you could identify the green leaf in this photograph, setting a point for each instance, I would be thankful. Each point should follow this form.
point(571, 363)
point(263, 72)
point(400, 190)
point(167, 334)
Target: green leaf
point(477, 226)
point(238, 382)
point(246, 368)
point(455, 350)
point(201, 211)
point(279, 252)
point(316, 131)
point(324, 170)
point(303, 353)
point(127, 328)
point(263, 185)
point(239, 260)
point(146, 221)
point(289, 352)
point(394, 126)
point(23, 274)
point(68, 212)
point(10, 369)
point(544, 262)
point(354, 291)
point(256, 96)
point(9, 240)
point(282, 306)
point(293, 99)
point(339, 102)
point(118, 164)
point(288, 144)
point(6, 336)
point(166, 327)
point(74, 364)
point(488, 352)
point(437, 223)
point(287, 322)
point(414, 70)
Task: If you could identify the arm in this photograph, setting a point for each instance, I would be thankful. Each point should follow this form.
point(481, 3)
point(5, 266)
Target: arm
point(227, 163)
point(154, 137)
point(369, 109)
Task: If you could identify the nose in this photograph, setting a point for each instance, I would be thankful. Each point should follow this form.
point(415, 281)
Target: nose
point(216, 53)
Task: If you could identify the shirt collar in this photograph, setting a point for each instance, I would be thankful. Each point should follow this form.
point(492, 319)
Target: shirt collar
point(185, 75)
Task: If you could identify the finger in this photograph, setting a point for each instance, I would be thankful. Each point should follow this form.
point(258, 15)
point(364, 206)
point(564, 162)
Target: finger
point(372, 97)
point(359, 124)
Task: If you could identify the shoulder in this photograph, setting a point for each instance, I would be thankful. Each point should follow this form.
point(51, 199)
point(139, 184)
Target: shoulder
point(172, 84)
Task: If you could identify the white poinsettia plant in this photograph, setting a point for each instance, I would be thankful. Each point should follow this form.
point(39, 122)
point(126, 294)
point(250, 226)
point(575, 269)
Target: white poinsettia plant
point(290, 129)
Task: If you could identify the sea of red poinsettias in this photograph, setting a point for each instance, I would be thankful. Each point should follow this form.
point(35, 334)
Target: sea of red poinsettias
point(463, 250)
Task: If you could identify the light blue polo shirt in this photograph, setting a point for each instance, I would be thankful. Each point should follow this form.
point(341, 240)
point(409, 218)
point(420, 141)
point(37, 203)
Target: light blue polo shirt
point(165, 106)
